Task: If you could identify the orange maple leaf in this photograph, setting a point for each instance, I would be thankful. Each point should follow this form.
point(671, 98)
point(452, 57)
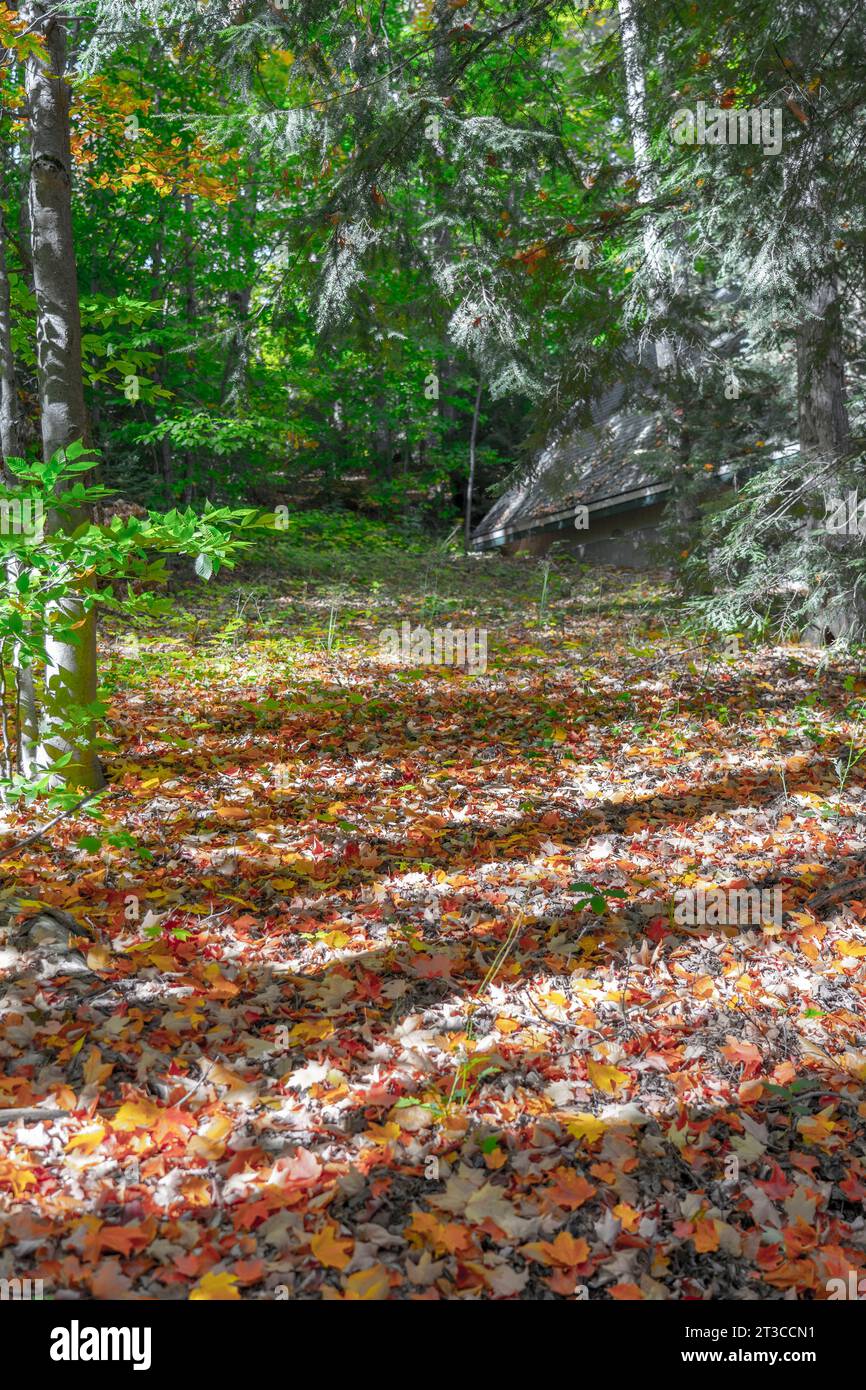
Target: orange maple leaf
point(570, 1190)
point(330, 1250)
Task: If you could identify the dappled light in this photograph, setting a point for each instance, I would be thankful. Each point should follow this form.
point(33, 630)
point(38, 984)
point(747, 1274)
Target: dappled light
point(432, 682)
point(332, 1022)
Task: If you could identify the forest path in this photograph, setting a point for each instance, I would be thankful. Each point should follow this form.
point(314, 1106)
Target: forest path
point(348, 1031)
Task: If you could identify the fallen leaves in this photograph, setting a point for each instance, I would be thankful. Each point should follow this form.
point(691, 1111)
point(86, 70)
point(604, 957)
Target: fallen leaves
point(570, 1189)
point(295, 1065)
point(565, 1251)
point(329, 1250)
point(222, 1287)
point(606, 1078)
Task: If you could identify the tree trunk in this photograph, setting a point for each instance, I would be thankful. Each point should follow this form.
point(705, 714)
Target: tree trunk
point(470, 483)
point(240, 230)
point(10, 443)
point(822, 415)
point(821, 409)
point(158, 290)
point(644, 172)
point(189, 268)
point(70, 669)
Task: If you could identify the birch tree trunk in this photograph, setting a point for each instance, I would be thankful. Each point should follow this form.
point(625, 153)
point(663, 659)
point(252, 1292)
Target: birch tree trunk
point(70, 674)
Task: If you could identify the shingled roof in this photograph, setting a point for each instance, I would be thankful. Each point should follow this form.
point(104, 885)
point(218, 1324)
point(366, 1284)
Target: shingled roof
point(615, 464)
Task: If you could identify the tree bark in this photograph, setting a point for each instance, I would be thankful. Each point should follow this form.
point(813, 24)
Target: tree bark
point(644, 171)
point(470, 483)
point(821, 409)
point(10, 440)
point(822, 415)
point(241, 221)
point(10, 443)
point(70, 672)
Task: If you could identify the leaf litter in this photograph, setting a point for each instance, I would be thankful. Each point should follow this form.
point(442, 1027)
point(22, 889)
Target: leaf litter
point(336, 1015)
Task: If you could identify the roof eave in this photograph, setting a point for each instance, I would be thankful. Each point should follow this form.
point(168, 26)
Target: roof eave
point(608, 506)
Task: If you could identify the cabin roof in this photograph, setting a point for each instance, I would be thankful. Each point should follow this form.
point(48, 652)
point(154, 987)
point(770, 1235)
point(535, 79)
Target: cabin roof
point(613, 461)
point(621, 462)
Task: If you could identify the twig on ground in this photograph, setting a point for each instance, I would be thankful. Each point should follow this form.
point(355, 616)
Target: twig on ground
point(192, 1090)
point(8, 1117)
point(836, 892)
point(38, 834)
point(551, 1022)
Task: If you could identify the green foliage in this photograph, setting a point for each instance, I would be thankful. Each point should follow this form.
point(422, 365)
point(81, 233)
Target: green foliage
point(769, 559)
point(59, 555)
point(594, 896)
point(343, 530)
point(334, 219)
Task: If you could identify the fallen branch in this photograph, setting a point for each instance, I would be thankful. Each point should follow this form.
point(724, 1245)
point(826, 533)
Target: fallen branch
point(837, 892)
point(8, 1117)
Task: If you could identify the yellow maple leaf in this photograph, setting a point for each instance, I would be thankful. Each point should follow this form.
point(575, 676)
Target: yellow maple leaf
point(817, 1129)
point(98, 958)
point(215, 1287)
point(605, 1077)
point(337, 940)
point(311, 1032)
point(368, 1285)
point(210, 1144)
point(585, 1126)
point(384, 1134)
point(627, 1215)
point(224, 1076)
point(19, 1178)
point(330, 1250)
point(95, 1070)
point(87, 1139)
point(22, 1178)
point(135, 1114)
point(555, 996)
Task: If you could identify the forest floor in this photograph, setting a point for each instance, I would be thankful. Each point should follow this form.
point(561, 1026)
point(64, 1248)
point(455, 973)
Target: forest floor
point(336, 1024)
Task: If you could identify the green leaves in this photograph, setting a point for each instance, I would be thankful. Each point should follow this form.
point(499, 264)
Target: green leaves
point(489, 1144)
point(75, 458)
point(63, 573)
point(595, 897)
